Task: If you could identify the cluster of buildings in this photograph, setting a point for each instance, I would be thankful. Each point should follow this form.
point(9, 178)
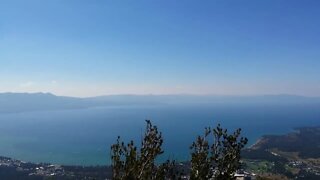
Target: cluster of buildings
point(313, 168)
point(32, 169)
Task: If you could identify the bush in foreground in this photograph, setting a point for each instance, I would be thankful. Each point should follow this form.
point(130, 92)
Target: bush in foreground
point(216, 155)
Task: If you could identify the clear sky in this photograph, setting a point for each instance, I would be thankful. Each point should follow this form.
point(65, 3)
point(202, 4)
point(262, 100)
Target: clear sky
point(97, 47)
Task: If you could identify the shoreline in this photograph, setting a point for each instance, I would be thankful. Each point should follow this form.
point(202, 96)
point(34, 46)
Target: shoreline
point(17, 169)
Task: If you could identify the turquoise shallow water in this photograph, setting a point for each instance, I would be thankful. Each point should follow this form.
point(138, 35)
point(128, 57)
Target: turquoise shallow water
point(84, 136)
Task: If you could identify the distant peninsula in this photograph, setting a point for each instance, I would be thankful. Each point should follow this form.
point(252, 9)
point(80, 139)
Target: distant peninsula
point(295, 155)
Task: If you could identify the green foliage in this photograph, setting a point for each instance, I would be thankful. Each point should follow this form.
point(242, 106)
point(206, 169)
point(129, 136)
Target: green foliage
point(216, 155)
point(130, 163)
point(200, 161)
point(221, 158)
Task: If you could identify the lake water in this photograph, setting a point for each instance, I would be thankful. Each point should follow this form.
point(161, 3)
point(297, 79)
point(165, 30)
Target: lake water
point(84, 136)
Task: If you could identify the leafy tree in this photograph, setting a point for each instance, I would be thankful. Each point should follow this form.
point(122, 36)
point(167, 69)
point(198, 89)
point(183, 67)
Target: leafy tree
point(130, 163)
point(219, 159)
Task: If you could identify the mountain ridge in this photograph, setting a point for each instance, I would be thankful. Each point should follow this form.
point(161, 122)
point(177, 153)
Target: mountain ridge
point(23, 102)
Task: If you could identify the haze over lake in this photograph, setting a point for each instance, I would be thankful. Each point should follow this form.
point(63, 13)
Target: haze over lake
point(44, 130)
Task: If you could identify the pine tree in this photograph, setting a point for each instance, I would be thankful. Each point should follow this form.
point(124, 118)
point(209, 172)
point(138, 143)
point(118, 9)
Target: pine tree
point(219, 159)
point(129, 163)
point(216, 155)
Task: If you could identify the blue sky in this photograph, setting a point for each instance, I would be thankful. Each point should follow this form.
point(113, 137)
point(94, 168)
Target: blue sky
point(96, 47)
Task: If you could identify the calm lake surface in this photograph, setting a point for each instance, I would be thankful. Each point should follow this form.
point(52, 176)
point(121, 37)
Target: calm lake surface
point(84, 136)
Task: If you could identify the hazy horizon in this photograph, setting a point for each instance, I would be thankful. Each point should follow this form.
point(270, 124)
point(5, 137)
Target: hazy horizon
point(176, 94)
point(72, 131)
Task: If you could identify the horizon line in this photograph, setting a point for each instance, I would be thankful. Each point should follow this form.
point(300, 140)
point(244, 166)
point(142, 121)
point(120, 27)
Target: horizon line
point(158, 94)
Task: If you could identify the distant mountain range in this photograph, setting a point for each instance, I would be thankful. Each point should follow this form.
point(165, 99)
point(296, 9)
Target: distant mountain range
point(23, 102)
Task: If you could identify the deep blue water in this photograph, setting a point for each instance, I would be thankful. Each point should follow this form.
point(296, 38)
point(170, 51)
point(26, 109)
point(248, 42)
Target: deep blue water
point(84, 136)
